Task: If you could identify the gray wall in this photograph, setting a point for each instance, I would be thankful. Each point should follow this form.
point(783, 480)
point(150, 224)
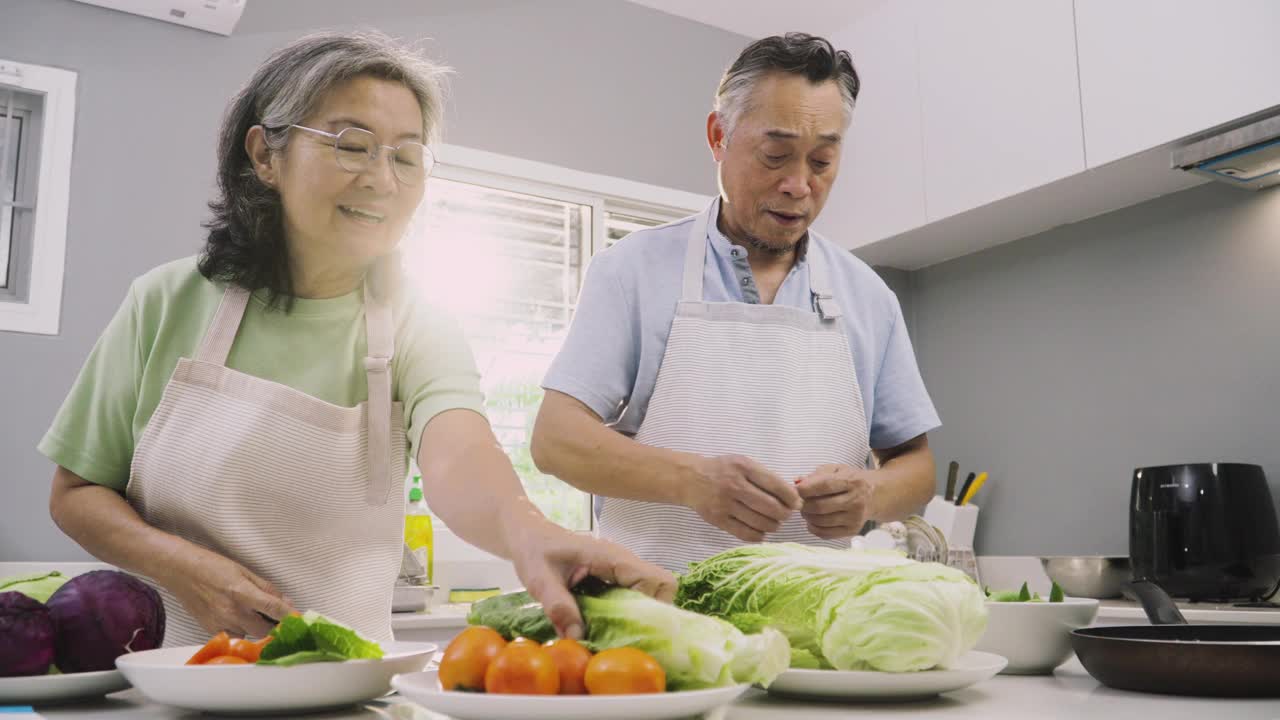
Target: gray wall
point(1062, 361)
point(596, 85)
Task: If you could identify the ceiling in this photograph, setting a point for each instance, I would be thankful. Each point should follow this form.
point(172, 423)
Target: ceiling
point(758, 18)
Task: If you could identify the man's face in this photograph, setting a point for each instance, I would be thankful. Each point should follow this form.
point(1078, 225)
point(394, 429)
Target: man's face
point(781, 160)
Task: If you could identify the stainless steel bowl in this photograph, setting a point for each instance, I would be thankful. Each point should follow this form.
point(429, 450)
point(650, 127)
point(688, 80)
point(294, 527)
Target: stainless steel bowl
point(1090, 576)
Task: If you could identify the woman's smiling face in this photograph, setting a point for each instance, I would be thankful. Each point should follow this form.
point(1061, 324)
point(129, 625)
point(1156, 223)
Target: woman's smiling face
point(349, 217)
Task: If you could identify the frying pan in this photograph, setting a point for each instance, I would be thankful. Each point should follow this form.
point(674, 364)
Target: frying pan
point(1169, 656)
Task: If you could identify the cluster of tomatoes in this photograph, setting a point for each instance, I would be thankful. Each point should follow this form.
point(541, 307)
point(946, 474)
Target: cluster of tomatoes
point(479, 659)
point(225, 650)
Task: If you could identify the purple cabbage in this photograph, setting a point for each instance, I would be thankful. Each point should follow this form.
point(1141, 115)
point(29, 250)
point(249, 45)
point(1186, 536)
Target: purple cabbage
point(101, 615)
point(26, 636)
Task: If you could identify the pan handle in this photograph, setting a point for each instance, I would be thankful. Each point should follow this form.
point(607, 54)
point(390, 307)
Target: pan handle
point(1157, 603)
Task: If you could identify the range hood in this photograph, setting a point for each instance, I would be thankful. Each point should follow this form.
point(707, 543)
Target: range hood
point(1246, 156)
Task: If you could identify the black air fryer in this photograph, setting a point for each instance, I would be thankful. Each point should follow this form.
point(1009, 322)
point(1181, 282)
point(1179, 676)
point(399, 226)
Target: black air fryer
point(1204, 531)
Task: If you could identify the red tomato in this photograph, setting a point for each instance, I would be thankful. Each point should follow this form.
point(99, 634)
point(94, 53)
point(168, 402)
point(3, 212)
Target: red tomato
point(571, 660)
point(467, 658)
point(219, 644)
point(522, 669)
point(624, 671)
point(227, 660)
point(249, 650)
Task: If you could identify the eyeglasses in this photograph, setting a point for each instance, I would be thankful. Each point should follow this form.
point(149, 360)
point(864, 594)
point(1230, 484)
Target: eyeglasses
point(356, 149)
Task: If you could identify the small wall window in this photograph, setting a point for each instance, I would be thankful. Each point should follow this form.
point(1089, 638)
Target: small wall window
point(37, 124)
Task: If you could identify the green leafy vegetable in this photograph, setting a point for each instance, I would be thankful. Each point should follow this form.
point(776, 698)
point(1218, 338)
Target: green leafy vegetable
point(37, 586)
point(1025, 595)
point(313, 637)
point(694, 650)
point(844, 609)
point(517, 614)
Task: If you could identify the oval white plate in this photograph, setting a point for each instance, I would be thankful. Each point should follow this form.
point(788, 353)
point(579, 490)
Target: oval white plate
point(424, 689)
point(60, 688)
point(163, 676)
point(973, 667)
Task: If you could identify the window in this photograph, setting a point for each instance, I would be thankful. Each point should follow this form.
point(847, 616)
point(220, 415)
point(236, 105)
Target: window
point(37, 118)
point(620, 224)
point(503, 244)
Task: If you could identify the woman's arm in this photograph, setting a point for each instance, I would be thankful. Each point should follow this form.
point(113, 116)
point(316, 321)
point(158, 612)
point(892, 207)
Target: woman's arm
point(219, 593)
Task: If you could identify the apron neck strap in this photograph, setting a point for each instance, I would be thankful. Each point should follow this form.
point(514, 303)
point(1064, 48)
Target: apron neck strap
point(222, 331)
point(695, 259)
point(695, 254)
point(380, 334)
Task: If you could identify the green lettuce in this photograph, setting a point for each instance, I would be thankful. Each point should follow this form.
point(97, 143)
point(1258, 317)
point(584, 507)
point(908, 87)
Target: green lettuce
point(842, 609)
point(312, 637)
point(695, 651)
point(37, 586)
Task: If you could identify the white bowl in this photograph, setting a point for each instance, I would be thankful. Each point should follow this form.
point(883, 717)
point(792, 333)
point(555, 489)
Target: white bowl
point(164, 677)
point(1035, 636)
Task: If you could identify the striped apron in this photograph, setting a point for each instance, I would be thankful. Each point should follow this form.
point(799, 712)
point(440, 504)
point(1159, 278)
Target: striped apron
point(303, 493)
point(773, 383)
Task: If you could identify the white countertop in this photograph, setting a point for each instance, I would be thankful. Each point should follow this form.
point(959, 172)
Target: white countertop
point(1132, 613)
point(1068, 694)
point(447, 615)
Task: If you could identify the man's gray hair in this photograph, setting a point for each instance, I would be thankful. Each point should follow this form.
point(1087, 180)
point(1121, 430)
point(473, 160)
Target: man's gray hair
point(796, 53)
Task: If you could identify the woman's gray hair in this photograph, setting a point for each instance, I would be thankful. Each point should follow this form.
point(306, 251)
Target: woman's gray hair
point(246, 244)
point(796, 53)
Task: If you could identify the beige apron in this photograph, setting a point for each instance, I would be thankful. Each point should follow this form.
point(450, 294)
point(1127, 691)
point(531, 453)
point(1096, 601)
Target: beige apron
point(304, 493)
point(774, 383)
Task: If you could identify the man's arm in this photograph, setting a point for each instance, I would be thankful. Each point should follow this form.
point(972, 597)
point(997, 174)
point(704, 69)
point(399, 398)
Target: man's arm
point(906, 479)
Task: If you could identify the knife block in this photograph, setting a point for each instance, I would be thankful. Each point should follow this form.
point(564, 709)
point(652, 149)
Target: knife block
point(958, 524)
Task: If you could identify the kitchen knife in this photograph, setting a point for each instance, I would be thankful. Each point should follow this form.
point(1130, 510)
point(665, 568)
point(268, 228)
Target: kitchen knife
point(965, 488)
point(952, 470)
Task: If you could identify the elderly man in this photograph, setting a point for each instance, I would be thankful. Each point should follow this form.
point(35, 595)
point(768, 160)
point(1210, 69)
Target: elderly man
point(729, 377)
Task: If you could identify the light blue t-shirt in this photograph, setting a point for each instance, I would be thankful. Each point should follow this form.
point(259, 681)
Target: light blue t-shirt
point(614, 348)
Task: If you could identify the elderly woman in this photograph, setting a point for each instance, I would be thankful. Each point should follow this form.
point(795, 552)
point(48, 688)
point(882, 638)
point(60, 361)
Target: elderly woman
point(240, 433)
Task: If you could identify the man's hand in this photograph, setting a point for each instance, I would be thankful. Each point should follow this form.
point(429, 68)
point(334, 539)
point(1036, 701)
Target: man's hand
point(741, 497)
point(837, 500)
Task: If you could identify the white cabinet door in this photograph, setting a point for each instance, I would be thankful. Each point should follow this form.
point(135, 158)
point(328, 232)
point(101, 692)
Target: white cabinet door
point(880, 190)
point(1153, 71)
point(1000, 100)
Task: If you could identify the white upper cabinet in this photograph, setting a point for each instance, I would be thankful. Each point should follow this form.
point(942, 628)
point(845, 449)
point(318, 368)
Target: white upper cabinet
point(1153, 71)
point(880, 190)
point(1000, 100)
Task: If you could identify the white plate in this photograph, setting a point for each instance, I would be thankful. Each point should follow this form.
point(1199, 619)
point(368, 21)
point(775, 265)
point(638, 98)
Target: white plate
point(60, 688)
point(424, 689)
point(164, 676)
point(973, 667)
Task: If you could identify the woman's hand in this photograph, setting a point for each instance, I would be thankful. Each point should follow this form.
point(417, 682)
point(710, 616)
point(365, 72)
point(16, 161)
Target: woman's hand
point(549, 560)
point(223, 595)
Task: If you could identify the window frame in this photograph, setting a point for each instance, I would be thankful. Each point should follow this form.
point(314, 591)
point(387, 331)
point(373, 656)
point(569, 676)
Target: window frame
point(604, 193)
point(33, 303)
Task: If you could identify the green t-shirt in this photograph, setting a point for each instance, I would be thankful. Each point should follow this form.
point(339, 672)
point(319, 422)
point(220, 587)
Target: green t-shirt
point(318, 348)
